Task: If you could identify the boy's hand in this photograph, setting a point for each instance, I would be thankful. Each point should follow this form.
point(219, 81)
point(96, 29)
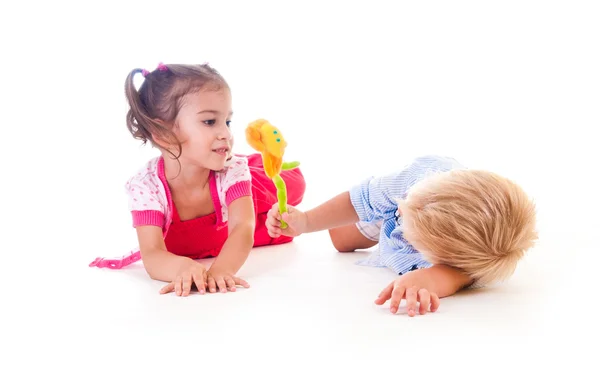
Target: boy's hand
point(195, 273)
point(413, 286)
point(295, 219)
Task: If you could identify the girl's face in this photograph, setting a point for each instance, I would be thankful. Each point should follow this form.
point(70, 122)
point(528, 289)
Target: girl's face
point(202, 127)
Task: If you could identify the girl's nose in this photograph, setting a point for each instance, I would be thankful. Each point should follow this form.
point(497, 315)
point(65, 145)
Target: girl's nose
point(225, 133)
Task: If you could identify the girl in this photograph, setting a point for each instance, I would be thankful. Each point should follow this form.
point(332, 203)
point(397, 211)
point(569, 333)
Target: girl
point(196, 199)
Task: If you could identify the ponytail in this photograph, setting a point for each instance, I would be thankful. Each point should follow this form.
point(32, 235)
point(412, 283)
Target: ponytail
point(140, 121)
point(136, 116)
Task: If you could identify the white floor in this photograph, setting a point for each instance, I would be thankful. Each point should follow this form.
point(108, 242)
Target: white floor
point(357, 89)
point(306, 298)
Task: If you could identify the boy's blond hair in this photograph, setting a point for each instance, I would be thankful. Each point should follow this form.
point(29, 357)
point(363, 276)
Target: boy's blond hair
point(473, 220)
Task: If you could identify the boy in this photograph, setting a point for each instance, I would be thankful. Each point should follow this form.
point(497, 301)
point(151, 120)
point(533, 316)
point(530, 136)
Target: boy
point(440, 226)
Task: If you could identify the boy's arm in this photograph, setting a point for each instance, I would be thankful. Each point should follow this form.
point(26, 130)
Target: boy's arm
point(425, 286)
point(335, 212)
point(446, 280)
point(361, 203)
point(371, 200)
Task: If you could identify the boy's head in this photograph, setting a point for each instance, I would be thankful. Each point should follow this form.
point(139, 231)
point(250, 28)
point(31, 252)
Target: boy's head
point(476, 221)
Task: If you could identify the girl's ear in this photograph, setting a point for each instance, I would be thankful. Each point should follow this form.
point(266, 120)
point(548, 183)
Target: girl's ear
point(158, 140)
point(165, 139)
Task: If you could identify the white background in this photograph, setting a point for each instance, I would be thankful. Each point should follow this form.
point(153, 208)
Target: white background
point(358, 88)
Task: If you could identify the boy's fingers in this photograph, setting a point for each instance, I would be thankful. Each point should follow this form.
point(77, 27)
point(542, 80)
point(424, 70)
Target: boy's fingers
point(411, 300)
point(274, 208)
point(424, 300)
point(385, 294)
point(397, 295)
point(435, 302)
point(272, 221)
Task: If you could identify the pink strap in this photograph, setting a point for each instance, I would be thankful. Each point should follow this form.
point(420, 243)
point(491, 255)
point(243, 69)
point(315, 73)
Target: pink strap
point(126, 260)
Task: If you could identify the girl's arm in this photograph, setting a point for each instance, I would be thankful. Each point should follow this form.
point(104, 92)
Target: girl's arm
point(158, 262)
point(148, 212)
point(240, 241)
point(147, 208)
point(241, 221)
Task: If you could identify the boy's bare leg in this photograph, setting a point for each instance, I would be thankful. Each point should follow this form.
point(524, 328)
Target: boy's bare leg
point(348, 239)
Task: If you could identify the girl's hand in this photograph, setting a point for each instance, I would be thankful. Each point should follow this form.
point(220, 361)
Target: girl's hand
point(195, 273)
point(223, 281)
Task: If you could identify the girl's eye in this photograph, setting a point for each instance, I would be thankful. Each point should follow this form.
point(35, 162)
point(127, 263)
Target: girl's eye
point(209, 122)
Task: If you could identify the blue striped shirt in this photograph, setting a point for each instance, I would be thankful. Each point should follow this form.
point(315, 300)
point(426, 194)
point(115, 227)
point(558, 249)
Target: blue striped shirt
point(374, 202)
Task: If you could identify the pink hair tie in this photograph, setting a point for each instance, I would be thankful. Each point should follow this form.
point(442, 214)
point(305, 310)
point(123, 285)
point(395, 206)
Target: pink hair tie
point(162, 67)
point(145, 72)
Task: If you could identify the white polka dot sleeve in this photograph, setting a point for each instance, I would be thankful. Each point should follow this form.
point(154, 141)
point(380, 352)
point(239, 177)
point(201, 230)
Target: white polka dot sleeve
point(145, 200)
point(233, 182)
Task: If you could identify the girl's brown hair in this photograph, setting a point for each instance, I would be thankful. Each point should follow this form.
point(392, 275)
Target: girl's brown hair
point(154, 107)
